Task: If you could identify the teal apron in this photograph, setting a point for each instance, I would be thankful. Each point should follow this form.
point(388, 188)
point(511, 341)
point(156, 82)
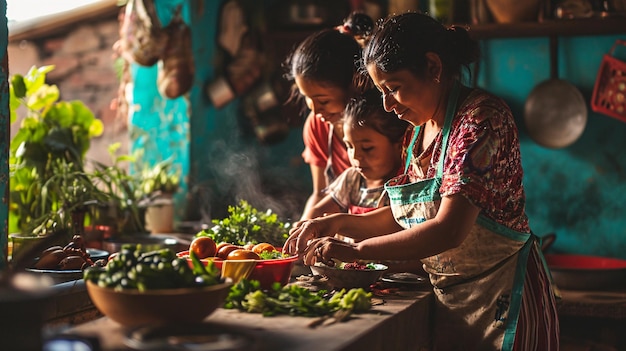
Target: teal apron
point(478, 285)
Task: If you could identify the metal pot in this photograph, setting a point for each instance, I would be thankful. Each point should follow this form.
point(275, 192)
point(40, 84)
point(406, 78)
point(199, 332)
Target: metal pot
point(555, 112)
point(584, 272)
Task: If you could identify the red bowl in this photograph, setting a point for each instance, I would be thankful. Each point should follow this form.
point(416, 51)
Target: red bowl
point(582, 272)
point(266, 271)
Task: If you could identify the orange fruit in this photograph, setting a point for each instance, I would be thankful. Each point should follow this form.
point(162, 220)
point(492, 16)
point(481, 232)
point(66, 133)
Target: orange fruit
point(263, 247)
point(225, 250)
point(203, 247)
point(242, 254)
point(222, 244)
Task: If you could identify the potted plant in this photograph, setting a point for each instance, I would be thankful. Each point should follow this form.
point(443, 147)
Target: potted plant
point(46, 156)
point(158, 185)
point(124, 208)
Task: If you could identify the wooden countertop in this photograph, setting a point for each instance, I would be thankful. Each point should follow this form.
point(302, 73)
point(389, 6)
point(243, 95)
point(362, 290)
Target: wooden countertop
point(400, 323)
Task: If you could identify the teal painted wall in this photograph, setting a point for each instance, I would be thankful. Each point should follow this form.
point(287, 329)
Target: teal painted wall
point(227, 162)
point(575, 192)
point(159, 127)
point(221, 160)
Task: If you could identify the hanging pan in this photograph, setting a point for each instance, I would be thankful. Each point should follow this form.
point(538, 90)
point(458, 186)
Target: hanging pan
point(555, 112)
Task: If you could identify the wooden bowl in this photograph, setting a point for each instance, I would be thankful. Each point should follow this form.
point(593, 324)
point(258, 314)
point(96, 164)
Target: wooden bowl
point(132, 307)
point(349, 278)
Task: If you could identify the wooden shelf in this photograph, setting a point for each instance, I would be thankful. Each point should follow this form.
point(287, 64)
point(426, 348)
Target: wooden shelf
point(545, 28)
point(574, 27)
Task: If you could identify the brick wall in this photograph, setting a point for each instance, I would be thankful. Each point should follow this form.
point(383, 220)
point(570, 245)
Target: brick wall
point(85, 70)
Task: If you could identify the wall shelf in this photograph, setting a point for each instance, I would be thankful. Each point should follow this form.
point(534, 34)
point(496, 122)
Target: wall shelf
point(574, 27)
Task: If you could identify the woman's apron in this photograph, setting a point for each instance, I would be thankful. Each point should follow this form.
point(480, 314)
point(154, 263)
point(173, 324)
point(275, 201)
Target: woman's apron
point(478, 285)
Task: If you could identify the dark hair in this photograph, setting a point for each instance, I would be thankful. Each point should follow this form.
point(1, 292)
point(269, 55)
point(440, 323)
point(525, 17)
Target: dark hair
point(402, 41)
point(358, 24)
point(331, 57)
point(326, 56)
point(367, 111)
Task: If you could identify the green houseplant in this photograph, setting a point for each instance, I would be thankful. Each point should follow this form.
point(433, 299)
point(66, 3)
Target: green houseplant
point(46, 156)
point(158, 184)
point(160, 179)
point(125, 197)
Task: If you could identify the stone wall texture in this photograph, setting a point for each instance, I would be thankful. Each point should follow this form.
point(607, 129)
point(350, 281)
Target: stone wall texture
point(87, 69)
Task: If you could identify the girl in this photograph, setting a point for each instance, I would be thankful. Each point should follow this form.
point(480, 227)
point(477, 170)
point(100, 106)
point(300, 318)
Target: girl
point(373, 138)
point(324, 69)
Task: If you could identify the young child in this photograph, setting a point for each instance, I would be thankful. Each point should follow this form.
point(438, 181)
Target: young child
point(373, 138)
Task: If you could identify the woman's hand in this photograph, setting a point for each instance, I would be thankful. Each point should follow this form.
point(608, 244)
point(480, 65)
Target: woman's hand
point(304, 231)
point(326, 249)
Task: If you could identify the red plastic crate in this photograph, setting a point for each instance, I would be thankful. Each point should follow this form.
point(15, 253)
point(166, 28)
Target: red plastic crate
point(609, 91)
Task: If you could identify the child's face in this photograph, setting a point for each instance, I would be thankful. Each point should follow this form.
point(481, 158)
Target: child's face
point(372, 154)
point(326, 101)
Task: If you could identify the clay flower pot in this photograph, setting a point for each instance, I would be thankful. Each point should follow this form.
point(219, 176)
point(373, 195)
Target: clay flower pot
point(160, 215)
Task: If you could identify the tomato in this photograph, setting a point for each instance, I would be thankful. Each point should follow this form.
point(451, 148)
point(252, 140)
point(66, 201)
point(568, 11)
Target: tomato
point(263, 247)
point(220, 245)
point(225, 250)
point(203, 247)
point(242, 254)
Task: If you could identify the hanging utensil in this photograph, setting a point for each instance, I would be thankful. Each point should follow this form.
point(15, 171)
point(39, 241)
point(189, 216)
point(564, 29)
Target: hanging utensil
point(176, 67)
point(142, 38)
point(555, 112)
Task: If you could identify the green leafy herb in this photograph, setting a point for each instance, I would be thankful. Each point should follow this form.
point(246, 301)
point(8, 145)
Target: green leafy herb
point(273, 255)
point(245, 224)
point(295, 300)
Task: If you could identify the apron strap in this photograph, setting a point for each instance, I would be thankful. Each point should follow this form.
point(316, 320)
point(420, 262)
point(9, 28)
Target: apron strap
point(409, 152)
point(450, 111)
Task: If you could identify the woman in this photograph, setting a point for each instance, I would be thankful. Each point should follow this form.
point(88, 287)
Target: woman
point(324, 68)
point(459, 206)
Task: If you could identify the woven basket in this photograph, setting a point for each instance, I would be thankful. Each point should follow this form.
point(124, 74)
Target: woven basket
point(609, 91)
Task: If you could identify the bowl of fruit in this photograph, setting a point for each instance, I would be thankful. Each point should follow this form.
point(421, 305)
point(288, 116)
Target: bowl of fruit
point(139, 287)
point(270, 264)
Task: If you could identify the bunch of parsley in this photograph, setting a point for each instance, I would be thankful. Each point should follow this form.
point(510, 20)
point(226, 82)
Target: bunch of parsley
point(294, 300)
point(247, 225)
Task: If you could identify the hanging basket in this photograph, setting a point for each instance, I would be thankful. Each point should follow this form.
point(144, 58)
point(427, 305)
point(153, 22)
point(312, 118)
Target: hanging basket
point(609, 92)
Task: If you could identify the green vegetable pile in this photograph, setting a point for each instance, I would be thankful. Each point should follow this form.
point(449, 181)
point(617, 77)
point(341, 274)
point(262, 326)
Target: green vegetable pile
point(295, 300)
point(272, 255)
point(133, 268)
point(247, 225)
